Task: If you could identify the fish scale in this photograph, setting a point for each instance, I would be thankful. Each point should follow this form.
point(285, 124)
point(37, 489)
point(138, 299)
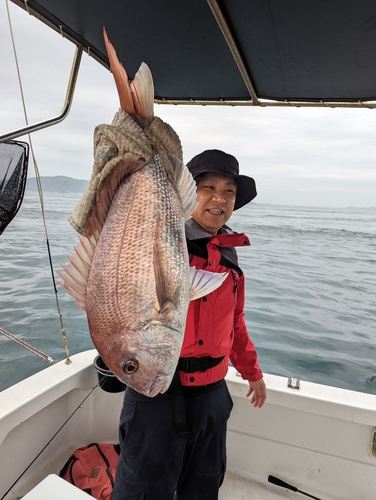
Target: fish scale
point(123, 278)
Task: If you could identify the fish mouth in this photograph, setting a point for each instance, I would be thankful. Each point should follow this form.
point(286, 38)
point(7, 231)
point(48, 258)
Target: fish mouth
point(160, 385)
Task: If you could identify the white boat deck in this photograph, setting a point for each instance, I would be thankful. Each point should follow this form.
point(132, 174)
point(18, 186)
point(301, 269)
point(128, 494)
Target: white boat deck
point(233, 488)
point(238, 488)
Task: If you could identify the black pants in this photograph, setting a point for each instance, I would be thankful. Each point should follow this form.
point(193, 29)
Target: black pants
point(155, 463)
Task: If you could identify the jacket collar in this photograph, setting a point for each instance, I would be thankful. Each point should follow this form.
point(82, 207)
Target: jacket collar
point(226, 237)
point(194, 231)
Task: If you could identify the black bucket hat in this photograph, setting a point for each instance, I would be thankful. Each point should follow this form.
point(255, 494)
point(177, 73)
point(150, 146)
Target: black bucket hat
point(214, 160)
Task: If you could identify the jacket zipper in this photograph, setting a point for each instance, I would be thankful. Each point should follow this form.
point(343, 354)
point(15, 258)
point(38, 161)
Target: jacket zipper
point(236, 281)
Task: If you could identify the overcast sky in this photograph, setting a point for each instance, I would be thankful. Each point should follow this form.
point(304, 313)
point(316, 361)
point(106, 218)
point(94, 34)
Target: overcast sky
point(319, 157)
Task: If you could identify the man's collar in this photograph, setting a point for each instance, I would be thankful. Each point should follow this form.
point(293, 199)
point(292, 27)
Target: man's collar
point(194, 231)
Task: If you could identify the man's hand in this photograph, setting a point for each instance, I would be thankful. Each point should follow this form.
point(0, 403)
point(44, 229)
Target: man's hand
point(258, 389)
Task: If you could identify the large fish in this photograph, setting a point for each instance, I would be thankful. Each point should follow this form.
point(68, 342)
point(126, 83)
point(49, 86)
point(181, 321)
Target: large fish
point(131, 272)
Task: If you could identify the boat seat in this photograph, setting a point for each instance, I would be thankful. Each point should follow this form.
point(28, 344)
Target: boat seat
point(54, 487)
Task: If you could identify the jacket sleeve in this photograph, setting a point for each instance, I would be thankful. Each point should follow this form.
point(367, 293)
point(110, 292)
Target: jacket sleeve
point(243, 355)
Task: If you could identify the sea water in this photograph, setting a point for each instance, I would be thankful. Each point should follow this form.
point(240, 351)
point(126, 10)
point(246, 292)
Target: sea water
point(310, 290)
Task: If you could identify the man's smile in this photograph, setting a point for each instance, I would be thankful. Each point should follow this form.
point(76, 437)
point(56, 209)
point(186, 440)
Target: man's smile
point(215, 211)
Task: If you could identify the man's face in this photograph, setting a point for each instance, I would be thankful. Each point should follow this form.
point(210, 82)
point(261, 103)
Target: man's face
point(216, 195)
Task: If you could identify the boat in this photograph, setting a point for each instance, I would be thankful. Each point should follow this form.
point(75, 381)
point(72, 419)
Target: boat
point(317, 438)
point(309, 439)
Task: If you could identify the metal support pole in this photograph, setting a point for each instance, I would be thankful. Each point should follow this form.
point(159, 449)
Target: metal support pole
point(64, 113)
point(222, 23)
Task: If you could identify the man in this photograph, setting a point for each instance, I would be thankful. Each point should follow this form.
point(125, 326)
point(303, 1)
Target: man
point(158, 462)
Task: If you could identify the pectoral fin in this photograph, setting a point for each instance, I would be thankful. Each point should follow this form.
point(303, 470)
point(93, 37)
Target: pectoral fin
point(165, 295)
point(204, 282)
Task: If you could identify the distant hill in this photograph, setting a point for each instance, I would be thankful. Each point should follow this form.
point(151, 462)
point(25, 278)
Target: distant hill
point(58, 184)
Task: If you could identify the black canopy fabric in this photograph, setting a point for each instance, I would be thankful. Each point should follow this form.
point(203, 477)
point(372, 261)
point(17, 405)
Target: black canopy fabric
point(294, 50)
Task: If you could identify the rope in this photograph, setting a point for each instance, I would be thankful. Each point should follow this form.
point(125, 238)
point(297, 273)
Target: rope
point(40, 191)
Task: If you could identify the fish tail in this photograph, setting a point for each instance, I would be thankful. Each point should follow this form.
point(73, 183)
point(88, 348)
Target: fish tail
point(142, 89)
point(137, 98)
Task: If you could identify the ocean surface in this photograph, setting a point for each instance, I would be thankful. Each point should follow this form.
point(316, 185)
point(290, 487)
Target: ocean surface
point(310, 281)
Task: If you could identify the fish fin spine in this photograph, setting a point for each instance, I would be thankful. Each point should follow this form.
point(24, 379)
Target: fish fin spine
point(79, 298)
point(76, 274)
point(184, 183)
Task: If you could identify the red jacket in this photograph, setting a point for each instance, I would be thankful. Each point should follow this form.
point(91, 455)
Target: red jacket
point(215, 323)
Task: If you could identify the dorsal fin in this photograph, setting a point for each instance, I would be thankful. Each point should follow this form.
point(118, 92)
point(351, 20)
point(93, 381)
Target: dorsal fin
point(137, 98)
point(184, 183)
point(77, 272)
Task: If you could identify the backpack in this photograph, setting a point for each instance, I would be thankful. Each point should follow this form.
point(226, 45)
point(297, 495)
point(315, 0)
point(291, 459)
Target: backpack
point(92, 469)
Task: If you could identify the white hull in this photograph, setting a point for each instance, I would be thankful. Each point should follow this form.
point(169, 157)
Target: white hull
point(317, 438)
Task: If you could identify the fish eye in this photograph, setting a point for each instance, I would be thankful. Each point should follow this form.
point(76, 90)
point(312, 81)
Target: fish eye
point(131, 366)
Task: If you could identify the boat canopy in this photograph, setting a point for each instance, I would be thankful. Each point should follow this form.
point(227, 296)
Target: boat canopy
point(238, 52)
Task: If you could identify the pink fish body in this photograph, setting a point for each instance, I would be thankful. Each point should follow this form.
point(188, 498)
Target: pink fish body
point(140, 280)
